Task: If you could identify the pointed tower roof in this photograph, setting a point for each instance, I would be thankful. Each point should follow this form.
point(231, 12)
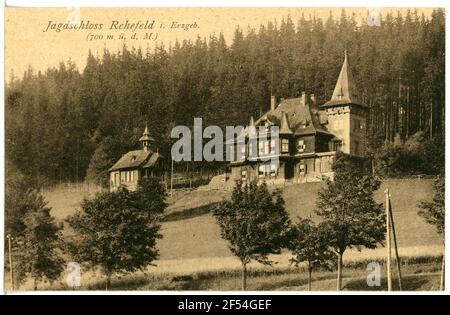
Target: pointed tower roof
point(284, 128)
point(146, 135)
point(345, 91)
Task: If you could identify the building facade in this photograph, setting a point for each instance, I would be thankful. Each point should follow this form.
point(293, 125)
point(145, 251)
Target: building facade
point(308, 136)
point(137, 164)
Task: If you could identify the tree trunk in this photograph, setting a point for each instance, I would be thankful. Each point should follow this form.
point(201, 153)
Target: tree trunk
point(339, 271)
point(35, 285)
point(441, 286)
point(244, 276)
point(309, 276)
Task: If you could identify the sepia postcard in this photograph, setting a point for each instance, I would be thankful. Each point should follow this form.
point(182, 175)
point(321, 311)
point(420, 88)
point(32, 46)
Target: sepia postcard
point(224, 149)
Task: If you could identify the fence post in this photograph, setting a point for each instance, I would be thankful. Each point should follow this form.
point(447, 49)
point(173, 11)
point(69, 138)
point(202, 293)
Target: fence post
point(388, 242)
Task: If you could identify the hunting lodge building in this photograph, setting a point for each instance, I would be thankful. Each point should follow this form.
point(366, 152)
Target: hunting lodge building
point(309, 135)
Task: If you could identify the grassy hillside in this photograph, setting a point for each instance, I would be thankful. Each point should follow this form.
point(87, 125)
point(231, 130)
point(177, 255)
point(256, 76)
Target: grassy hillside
point(199, 236)
point(406, 194)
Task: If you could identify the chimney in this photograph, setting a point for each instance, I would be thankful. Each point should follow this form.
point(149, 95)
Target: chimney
point(272, 103)
point(313, 99)
point(303, 98)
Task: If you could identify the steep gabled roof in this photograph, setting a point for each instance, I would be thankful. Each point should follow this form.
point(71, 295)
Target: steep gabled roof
point(152, 160)
point(345, 91)
point(135, 159)
point(302, 118)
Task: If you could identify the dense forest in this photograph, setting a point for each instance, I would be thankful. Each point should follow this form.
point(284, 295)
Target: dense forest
point(61, 119)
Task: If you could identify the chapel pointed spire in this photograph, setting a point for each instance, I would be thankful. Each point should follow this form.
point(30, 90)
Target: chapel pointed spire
point(345, 91)
point(146, 138)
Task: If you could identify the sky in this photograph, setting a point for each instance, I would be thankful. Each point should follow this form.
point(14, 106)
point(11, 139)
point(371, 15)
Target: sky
point(31, 37)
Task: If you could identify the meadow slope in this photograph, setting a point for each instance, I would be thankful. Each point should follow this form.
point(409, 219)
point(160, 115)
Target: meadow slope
point(198, 236)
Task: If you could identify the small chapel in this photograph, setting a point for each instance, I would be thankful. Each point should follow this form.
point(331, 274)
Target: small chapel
point(137, 164)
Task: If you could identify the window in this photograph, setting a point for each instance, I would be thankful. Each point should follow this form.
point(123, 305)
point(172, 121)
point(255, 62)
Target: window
point(337, 145)
point(301, 146)
point(302, 169)
point(261, 171)
point(252, 148)
point(244, 175)
point(268, 169)
point(241, 148)
point(285, 145)
point(357, 125)
point(273, 148)
point(264, 147)
point(122, 177)
point(362, 127)
point(261, 147)
point(273, 169)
